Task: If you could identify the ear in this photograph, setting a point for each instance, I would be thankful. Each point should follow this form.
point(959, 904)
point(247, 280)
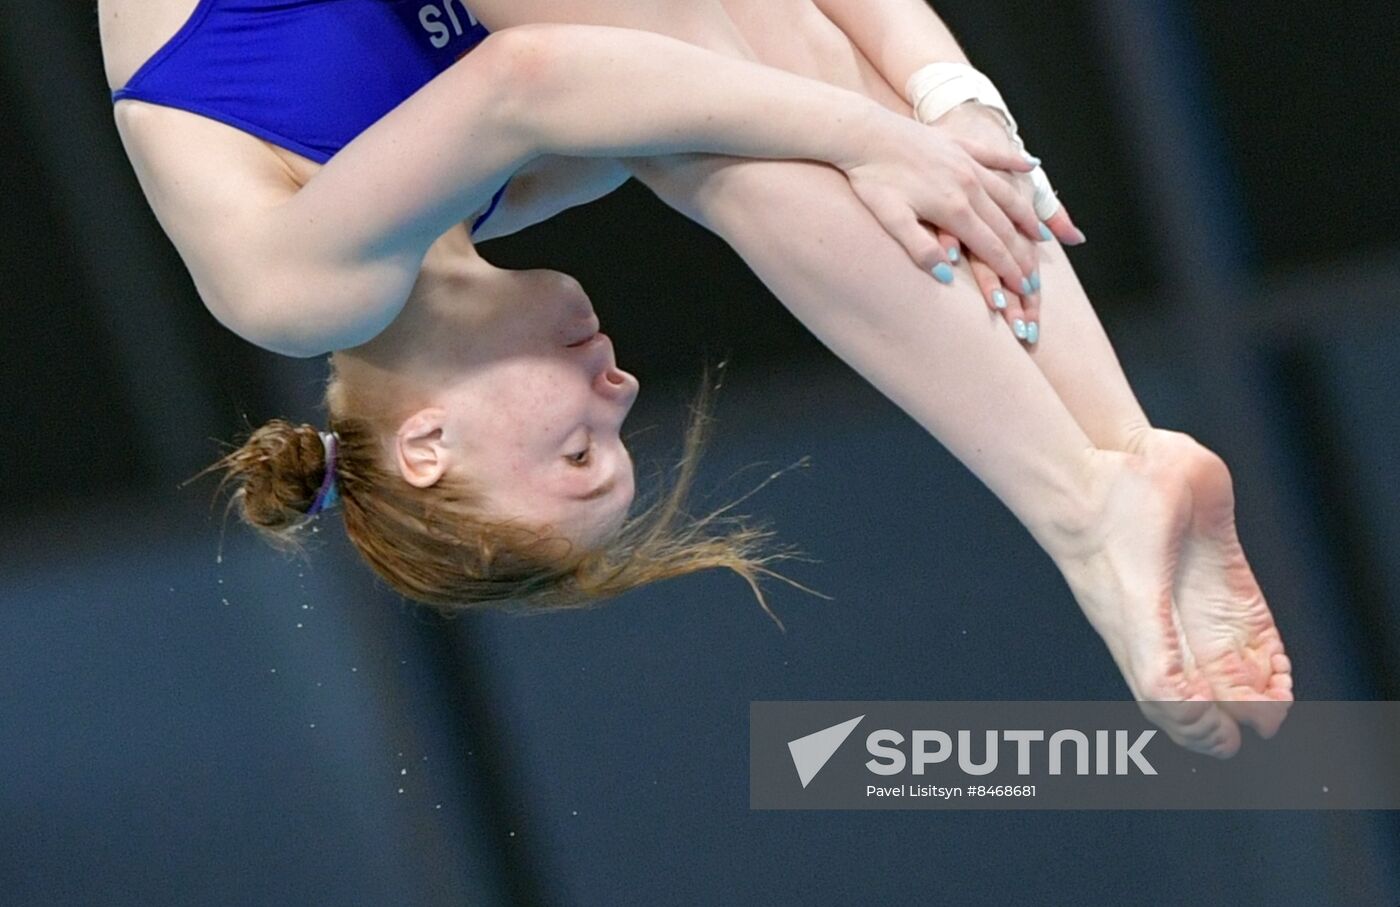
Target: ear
point(422, 456)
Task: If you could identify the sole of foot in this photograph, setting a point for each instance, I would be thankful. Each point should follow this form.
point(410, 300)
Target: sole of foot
point(1224, 616)
point(1125, 578)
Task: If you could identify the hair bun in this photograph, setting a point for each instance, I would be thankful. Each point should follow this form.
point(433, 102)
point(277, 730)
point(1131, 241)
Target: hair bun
point(278, 470)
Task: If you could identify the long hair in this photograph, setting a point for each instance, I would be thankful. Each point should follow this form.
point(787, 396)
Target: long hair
point(438, 546)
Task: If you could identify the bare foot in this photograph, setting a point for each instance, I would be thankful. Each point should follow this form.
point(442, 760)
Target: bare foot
point(1122, 571)
point(1226, 621)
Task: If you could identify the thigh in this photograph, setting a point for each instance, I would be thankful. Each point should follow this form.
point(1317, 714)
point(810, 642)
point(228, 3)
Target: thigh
point(797, 36)
point(705, 23)
point(786, 34)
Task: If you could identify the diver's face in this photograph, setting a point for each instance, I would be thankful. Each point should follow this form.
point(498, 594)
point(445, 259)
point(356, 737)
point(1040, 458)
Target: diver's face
point(534, 405)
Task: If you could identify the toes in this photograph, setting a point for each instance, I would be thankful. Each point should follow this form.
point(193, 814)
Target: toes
point(1199, 726)
point(1263, 712)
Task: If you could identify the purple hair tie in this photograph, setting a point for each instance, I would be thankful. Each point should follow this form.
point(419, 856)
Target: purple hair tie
point(329, 492)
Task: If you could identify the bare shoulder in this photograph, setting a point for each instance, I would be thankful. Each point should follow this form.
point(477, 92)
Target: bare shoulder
point(133, 30)
point(211, 186)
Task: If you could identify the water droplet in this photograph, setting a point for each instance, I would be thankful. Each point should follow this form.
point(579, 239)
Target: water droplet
point(425, 758)
point(401, 790)
point(313, 724)
point(403, 771)
point(576, 812)
point(219, 558)
point(439, 806)
point(304, 607)
point(512, 834)
point(224, 600)
point(1324, 789)
point(318, 683)
point(354, 670)
point(272, 670)
point(221, 581)
point(299, 626)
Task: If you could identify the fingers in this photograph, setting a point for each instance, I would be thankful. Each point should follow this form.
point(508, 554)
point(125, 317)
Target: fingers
point(999, 300)
point(1015, 202)
point(1021, 250)
point(1030, 311)
point(1021, 313)
point(920, 244)
point(951, 246)
point(1064, 229)
point(982, 241)
point(999, 158)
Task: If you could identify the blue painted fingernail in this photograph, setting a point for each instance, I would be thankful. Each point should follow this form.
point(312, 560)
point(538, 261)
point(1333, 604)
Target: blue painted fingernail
point(999, 299)
point(1045, 233)
point(943, 272)
point(1026, 288)
point(954, 254)
point(1032, 332)
point(1035, 281)
point(1032, 160)
point(1018, 327)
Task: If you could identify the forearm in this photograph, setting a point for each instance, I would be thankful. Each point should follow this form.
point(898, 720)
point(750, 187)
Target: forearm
point(580, 91)
point(623, 93)
point(898, 36)
point(363, 223)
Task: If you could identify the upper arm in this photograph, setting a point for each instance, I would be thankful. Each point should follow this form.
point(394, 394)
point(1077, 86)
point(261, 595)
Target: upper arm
point(214, 190)
point(306, 269)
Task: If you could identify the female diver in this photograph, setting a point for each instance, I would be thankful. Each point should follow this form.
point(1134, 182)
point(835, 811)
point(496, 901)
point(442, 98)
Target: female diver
point(477, 412)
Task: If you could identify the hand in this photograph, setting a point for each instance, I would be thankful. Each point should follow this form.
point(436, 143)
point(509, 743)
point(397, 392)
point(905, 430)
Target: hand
point(911, 175)
point(973, 122)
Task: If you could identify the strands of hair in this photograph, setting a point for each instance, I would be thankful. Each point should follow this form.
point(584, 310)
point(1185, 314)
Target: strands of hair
point(438, 546)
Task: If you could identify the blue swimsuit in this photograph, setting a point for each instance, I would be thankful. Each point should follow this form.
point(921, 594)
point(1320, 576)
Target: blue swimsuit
point(306, 75)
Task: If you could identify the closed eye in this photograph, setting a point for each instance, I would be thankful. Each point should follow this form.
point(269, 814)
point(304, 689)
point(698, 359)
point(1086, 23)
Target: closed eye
point(581, 458)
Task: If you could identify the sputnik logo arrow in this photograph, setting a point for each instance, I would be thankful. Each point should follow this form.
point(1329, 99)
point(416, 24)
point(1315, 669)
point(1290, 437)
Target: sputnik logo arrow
point(810, 753)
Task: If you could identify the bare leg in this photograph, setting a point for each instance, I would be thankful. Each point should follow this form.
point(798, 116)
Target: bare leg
point(1110, 521)
point(1227, 624)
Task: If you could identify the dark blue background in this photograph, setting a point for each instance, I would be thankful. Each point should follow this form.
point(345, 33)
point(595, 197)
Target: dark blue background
point(157, 744)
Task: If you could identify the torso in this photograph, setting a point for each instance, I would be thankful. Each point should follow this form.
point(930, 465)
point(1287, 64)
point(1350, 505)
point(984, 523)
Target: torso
point(132, 32)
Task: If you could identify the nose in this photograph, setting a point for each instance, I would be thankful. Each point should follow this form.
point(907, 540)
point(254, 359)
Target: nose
point(616, 385)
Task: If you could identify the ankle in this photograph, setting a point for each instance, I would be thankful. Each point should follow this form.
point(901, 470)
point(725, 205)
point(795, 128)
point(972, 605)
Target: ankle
point(1073, 531)
point(1077, 532)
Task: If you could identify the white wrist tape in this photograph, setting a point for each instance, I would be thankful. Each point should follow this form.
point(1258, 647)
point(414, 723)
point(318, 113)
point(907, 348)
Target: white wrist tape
point(939, 87)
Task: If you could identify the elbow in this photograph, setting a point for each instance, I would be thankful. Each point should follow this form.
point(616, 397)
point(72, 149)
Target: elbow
point(267, 319)
point(307, 313)
point(523, 68)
